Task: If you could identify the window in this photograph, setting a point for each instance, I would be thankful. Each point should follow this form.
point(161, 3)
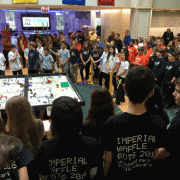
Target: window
point(11, 20)
point(59, 21)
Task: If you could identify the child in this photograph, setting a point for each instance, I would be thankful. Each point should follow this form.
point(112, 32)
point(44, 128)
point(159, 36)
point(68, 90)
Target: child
point(67, 116)
point(124, 131)
point(78, 44)
point(152, 57)
point(171, 46)
point(111, 66)
point(147, 46)
point(26, 51)
point(146, 57)
point(14, 61)
point(2, 64)
point(33, 59)
point(140, 59)
point(102, 66)
point(64, 56)
point(96, 58)
point(122, 73)
point(85, 56)
point(74, 56)
point(160, 42)
point(158, 67)
point(171, 73)
point(47, 61)
point(99, 43)
point(40, 49)
point(132, 51)
point(54, 54)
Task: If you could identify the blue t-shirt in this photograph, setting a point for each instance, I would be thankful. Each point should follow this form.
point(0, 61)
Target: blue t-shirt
point(33, 59)
point(127, 40)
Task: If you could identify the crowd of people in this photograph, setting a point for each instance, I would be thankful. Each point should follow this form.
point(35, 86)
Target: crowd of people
point(139, 141)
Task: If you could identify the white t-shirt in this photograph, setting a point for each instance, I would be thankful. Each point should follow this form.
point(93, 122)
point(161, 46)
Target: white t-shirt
point(41, 52)
point(124, 65)
point(111, 61)
point(15, 65)
point(104, 57)
point(2, 59)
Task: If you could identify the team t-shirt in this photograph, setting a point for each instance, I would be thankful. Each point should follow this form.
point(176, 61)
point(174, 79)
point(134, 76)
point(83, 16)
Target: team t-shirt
point(140, 59)
point(2, 60)
point(46, 61)
point(33, 59)
point(96, 56)
point(85, 54)
point(132, 53)
point(111, 62)
point(68, 159)
point(64, 54)
point(74, 56)
point(24, 157)
point(132, 139)
point(124, 65)
point(15, 65)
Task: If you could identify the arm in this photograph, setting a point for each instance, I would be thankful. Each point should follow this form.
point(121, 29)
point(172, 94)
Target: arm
point(23, 173)
point(82, 58)
point(14, 57)
point(107, 162)
point(73, 34)
point(160, 153)
point(123, 72)
point(173, 79)
point(56, 54)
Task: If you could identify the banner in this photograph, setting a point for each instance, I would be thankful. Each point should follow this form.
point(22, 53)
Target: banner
point(74, 2)
point(106, 2)
point(24, 1)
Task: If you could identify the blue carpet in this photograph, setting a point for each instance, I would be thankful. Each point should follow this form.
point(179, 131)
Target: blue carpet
point(85, 92)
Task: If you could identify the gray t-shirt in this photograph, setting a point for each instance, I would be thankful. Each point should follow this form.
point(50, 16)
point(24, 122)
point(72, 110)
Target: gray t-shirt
point(64, 54)
point(15, 65)
point(46, 61)
point(26, 51)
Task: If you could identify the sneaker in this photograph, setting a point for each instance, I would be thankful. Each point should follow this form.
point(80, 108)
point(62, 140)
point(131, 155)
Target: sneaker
point(82, 82)
point(85, 82)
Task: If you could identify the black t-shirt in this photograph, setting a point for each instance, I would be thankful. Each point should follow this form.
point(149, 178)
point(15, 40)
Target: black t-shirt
point(96, 56)
point(54, 56)
point(151, 61)
point(74, 56)
point(24, 157)
point(172, 70)
point(132, 139)
point(68, 159)
point(85, 54)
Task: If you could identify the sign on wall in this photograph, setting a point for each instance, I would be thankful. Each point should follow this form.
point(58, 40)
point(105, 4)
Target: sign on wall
point(106, 2)
point(24, 1)
point(74, 2)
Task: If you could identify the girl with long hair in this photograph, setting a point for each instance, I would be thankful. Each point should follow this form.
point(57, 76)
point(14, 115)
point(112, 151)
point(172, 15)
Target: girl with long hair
point(21, 123)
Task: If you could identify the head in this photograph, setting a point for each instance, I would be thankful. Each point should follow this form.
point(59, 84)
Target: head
point(168, 30)
point(97, 48)
point(101, 106)
point(139, 40)
point(113, 33)
point(159, 41)
point(176, 93)
point(112, 43)
point(61, 34)
point(86, 45)
point(21, 123)
point(63, 45)
point(63, 38)
point(132, 43)
point(39, 44)
point(171, 43)
point(139, 84)
point(112, 50)
point(171, 56)
point(98, 39)
point(117, 36)
point(45, 39)
point(123, 56)
point(140, 50)
point(73, 46)
point(92, 30)
point(76, 40)
point(79, 32)
point(160, 53)
point(126, 33)
point(37, 32)
point(13, 48)
point(106, 47)
point(22, 36)
point(54, 35)
point(32, 45)
point(178, 37)
point(66, 117)
point(46, 51)
point(136, 42)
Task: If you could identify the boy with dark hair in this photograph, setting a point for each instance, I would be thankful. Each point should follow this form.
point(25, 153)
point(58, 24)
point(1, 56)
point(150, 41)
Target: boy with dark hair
point(130, 140)
point(79, 155)
point(33, 59)
point(14, 60)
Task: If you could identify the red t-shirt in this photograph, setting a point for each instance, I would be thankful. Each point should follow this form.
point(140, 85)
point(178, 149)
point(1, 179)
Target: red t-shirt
point(140, 59)
point(149, 52)
point(78, 46)
point(132, 53)
point(161, 47)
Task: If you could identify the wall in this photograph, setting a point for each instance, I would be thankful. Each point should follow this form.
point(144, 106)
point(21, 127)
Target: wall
point(163, 20)
point(166, 4)
point(114, 20)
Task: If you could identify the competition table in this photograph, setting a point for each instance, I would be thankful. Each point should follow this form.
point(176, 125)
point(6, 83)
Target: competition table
point(40, 90)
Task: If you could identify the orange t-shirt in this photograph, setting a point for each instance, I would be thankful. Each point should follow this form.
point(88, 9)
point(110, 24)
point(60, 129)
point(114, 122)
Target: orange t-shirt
point(161, 47)
point(149, 52)
point(132, 53)
point(147, 59)
point(140, 59)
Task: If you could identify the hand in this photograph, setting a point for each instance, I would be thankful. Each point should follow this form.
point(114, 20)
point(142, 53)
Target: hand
point(99, 67)
point(84, 63)
point(156, 79)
